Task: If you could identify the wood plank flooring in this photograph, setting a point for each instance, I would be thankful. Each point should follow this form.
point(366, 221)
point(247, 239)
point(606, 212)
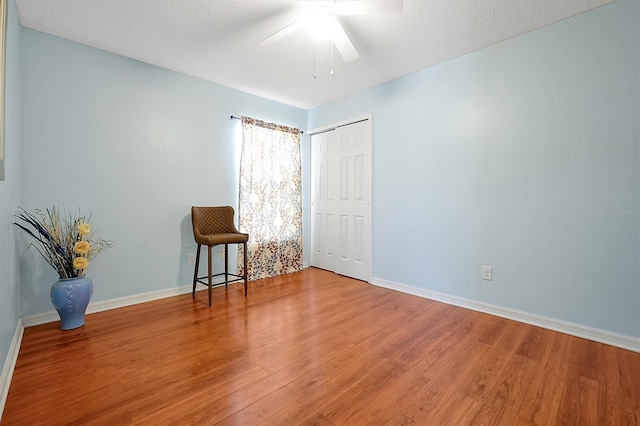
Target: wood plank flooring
point(316, 348)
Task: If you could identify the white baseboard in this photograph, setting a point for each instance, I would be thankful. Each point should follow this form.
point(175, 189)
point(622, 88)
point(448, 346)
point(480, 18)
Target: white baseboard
point(10, 364)
point(120, 302)
point(607, 337)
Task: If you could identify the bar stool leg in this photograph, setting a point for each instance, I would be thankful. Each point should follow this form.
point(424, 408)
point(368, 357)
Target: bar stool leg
point(195, 272)
point(245, 268)
point(209, 272)
point(226, 265)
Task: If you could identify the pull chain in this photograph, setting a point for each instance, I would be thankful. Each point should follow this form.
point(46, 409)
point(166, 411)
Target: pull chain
point(315, 51)
point(331, 43)
point(315, 46)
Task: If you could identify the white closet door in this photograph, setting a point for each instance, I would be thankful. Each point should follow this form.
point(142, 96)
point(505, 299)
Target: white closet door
point(323, 205)
point(341, 200)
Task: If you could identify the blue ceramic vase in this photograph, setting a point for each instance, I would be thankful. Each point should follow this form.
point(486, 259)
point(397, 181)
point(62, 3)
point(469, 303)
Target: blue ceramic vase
point(70, 297)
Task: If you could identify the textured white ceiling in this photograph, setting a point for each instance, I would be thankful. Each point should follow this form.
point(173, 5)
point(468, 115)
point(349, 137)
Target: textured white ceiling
point(217, 40)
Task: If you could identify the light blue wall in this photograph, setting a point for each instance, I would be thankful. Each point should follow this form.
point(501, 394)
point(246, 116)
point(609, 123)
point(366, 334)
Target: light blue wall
point(10, 189)
point(135, 144)
point(515, 156)
point(510, 156)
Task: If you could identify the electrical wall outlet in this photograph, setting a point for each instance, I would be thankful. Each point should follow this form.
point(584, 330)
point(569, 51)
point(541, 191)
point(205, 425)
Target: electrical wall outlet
point(191, 258)
point(222, 254)
point(486, 273)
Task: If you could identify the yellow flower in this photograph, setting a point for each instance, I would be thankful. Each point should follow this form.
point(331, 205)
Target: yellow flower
point(84, 228)
point(82, 247)
point(80, 262)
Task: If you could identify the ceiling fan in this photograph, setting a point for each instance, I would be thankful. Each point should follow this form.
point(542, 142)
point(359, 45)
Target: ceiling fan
point(322, 20)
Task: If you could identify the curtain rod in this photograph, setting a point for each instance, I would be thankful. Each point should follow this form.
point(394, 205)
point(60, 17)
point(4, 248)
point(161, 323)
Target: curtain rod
point(233, 117)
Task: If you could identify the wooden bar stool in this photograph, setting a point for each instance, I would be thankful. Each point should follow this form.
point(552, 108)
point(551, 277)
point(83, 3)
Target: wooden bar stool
point(213, 226)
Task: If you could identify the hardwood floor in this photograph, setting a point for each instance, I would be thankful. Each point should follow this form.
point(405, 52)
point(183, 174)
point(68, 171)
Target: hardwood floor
point(316, 348)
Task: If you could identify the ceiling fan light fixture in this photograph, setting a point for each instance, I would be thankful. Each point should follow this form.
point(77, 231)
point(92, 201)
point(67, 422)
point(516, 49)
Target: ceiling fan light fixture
point(323, 26)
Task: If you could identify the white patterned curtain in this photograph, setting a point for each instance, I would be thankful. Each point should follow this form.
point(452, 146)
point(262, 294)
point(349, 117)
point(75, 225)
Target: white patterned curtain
point(270, 205)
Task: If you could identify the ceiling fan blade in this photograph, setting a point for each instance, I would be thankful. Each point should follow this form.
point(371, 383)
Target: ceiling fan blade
point(342, 42)
point(365, 7)
point(278, 35)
